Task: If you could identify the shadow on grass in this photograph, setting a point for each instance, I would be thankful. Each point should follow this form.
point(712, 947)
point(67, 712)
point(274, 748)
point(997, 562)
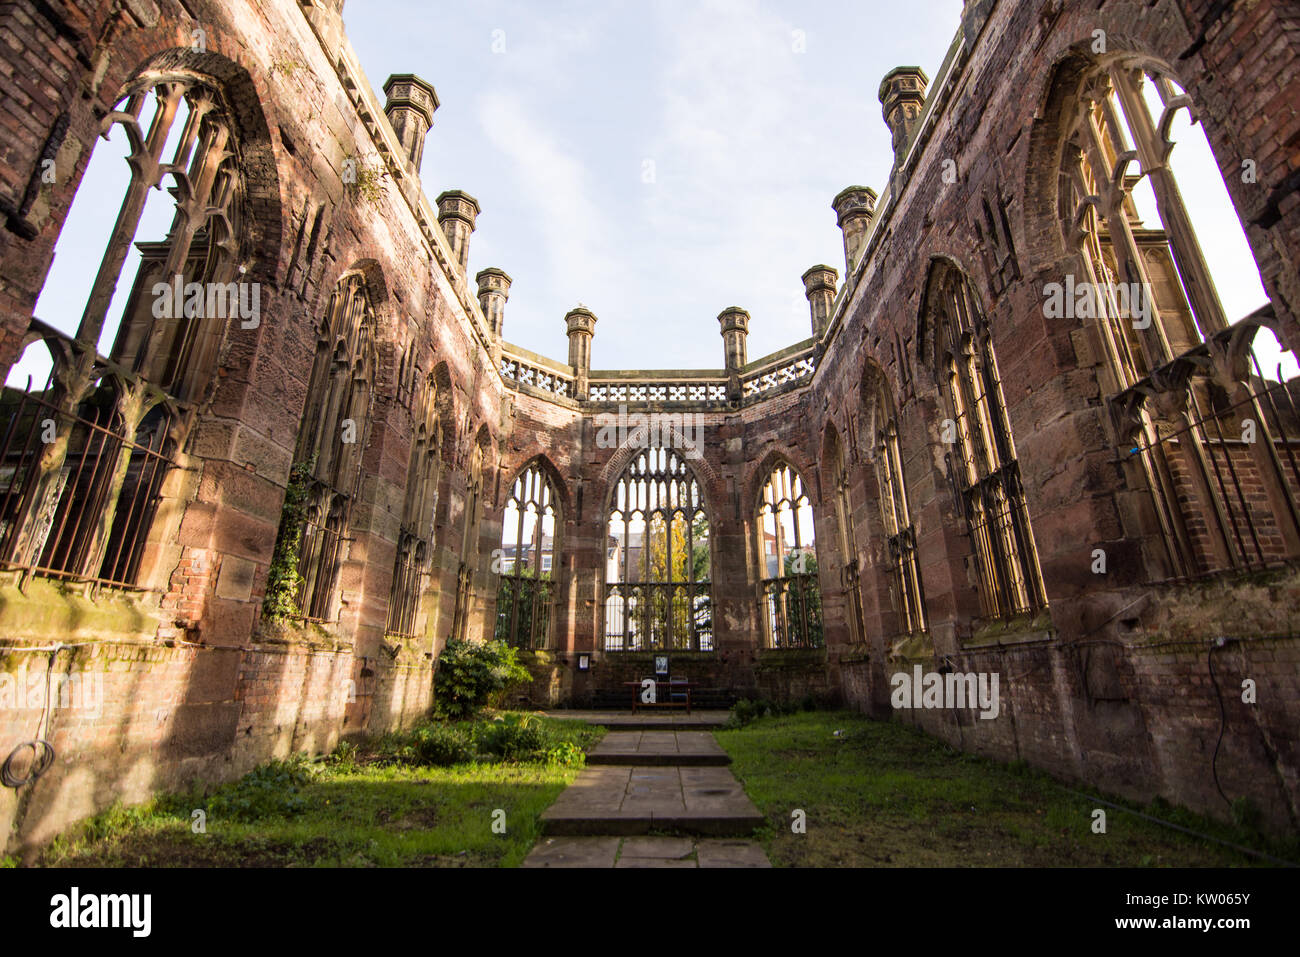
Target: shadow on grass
point(373, 817)
point(383, 805)
point(886, 794)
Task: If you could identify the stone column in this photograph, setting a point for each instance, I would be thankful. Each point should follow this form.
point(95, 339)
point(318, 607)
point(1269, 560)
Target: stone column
point(902, 94)
point(409, 108)
point(581, 325)
point(735, 328)
point(457, 213)
point(855, 209)
point(493, 291)
point(819, 284)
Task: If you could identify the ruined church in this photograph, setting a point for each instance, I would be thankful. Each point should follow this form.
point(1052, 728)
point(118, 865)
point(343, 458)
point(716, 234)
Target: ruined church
point(287, 451)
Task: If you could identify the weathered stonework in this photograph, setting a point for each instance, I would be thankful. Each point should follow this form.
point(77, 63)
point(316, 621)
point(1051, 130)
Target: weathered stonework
point(1116, 683)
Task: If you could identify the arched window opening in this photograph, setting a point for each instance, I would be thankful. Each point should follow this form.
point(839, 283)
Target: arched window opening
point(791, 592)
point(850, 573)
point(415, 541)
point(327, 462)
point(469, 541)
point(981, 459)
point(900, 532)
point(1204, 395)
point(85, 456)
point(658, 565)
point(528, 560)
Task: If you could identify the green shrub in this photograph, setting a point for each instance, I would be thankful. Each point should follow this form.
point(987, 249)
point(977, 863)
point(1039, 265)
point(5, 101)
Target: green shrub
point(472, 674)
point(344, 757)
point(441, 746)
point(566, 754)
point(747, 710)
point(116, 820)
point(282, 578)
point(272, 790)
point(513, 736)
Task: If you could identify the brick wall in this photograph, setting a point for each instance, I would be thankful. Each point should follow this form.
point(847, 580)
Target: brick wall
point(1110, 686)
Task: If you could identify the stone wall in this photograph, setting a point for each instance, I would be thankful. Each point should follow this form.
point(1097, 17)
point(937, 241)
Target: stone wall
point(1110, 686)
point(237, 690)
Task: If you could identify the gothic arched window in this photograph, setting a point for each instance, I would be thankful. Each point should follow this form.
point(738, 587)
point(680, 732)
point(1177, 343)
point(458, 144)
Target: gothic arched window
point(900, 532)
point(469, 540)
point(528, 560)
point(982, 461)
point(657, 558)
point(850, 574)
point(415, 541)
point(80, 498)
point(327, 463)
point(1208, 420)
point(791, 594)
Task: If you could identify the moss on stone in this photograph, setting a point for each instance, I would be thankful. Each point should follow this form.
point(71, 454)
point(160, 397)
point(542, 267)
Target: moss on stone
point(48, 612)
point(791, 659)
point(1023, 628)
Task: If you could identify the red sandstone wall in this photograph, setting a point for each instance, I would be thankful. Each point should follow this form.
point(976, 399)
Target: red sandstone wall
point(1113, 689)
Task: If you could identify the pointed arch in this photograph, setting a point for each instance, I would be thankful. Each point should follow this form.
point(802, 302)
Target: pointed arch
point(82, 502)
point(326, 474)
point(529, 561)
point(789, 587)
point(476, 467)
point(658, 551)
point(881, 435)
point(838, 488)
point(1185, 368)
point(415, 541)
point(979, 450)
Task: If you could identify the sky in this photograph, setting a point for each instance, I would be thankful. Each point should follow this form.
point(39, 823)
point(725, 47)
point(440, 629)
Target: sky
point(655, 161)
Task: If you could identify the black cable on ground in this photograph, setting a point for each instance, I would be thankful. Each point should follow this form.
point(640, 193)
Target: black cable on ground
point(42, 758)
point(1187, 830)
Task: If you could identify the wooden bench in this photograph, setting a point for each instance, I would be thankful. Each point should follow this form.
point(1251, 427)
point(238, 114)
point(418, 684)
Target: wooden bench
point(679, 693)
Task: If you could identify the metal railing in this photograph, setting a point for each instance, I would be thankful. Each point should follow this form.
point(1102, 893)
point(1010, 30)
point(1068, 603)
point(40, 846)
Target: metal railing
point(792, 608)
point(650, 616)
point(79, 484)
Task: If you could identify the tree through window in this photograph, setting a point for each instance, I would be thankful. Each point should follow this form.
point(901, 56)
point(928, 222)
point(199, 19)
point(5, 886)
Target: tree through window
point(658, 565)
point(528, 560)
point(792, 600)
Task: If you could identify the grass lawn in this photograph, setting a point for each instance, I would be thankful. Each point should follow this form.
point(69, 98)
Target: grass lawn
point(357, 810)
point(886, 794)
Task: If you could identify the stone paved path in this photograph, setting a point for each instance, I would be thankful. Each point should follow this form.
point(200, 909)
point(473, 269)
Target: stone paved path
point(645, 852)
point(665, 748)
point(664, 776)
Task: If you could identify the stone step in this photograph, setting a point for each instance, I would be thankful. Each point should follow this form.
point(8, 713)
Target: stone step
point(644, 852)
point(648, 721)
point(659, 749)
point(621, 801)
point(701, 699)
